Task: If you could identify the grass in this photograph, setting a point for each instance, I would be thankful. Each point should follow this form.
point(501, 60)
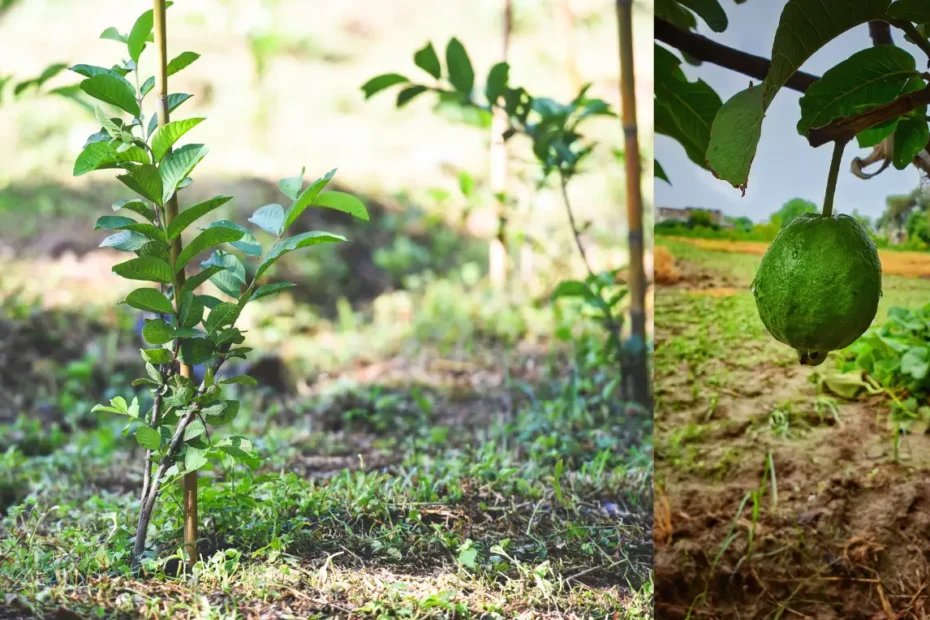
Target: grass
point(376, 497)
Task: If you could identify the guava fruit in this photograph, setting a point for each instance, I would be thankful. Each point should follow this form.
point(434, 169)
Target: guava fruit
point(818, 285)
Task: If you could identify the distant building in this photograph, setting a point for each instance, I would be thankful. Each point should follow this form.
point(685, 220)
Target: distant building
point(675, 214)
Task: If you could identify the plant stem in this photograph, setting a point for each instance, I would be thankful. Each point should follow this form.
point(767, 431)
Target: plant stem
point(612, 326)
point(634, 207)
point(838, 147)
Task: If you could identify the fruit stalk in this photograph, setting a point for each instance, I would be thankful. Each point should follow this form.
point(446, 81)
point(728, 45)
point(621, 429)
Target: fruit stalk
point(838, 147)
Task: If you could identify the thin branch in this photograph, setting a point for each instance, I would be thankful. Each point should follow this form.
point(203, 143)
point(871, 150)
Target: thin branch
point(880, 33)
point(612, 325)
point(715, 53)
point(848, 127)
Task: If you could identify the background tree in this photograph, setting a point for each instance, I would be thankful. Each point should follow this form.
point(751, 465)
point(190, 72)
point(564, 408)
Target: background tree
point(791, 210)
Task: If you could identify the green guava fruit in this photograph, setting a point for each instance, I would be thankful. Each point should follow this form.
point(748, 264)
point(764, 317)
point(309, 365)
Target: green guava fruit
point(818, 285)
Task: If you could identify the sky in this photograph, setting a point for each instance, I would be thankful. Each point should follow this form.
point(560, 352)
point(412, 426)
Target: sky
point(785, 166)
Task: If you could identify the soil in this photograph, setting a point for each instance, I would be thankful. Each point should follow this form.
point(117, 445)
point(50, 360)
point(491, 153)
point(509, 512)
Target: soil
point(849, 536)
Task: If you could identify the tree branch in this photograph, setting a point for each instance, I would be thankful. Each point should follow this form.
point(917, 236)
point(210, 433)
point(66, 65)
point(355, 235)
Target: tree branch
point(702, 48)
point(880, 33)
point(846, 128)
point(914, 36)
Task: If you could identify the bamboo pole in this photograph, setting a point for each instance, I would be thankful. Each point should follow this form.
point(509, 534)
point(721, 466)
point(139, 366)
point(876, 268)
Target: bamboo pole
point(189, 482)
point(639, 382)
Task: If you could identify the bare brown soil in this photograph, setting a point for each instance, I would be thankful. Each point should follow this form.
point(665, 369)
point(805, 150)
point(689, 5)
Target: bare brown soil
point(849, 534)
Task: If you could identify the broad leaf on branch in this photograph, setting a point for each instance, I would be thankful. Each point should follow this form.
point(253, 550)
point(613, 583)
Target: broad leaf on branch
point(167, 135)
point(126, 241)
point(269, 218)
point(735, 135)
point(869, 78)
point(496, 85)
point(910, 138)
point(224, 314)
point(461, 73)
point(145, 268)
point(232, 276)
point(100, 155)
point(174, 100)
point(660, 172)
point(156, 331)
point(211, 237)
point(196, 351)
point(684, 110)
point(150, 300)
point(193, 213)
point(291, 186)
point(146, 181)
point(191, 311)
point(114, 90)
point(341, 201)
point(305, 199)
point(293, 243)
point(710, 11)
point(381, 82)
point(804, 27)
point(136, 206)
point(917, 11)
point(181, 61)
point(148, 438)
point(246, 244)
point(178, 166)
point(426, 59)
point(406, 95)
point(271, 289)
point(139, 35)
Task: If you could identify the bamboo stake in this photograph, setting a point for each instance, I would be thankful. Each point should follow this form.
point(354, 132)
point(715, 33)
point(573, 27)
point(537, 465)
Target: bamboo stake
point(498, 258)
point(189, 483)
point(639, 382)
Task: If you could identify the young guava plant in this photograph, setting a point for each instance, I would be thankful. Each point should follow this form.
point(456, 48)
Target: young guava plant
point(553, 130)
point(818, 286)
point(176, 424)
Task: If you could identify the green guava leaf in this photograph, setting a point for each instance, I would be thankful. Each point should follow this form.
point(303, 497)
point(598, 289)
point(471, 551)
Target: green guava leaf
point(178, 165)
point(146, 181)
point(341, 201)
point(426, 59)
point(167, 135)
point(378, 83)
point(271, 289)
point(148, 438)
point(156, 331)
point(910, 138)
point(181, 61)
point(710, 11)
point(150, 300)
point(869, 78)
point(291, 186)
point(305, 199)
point(114, 90)
point(193, 213)
point(269, 218)
point(293, 243)
point(145, 268)
point(461, 73)
point(803, 28)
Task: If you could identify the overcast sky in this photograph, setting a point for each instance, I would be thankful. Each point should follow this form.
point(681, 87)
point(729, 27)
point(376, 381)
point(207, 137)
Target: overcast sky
point(785, 166)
